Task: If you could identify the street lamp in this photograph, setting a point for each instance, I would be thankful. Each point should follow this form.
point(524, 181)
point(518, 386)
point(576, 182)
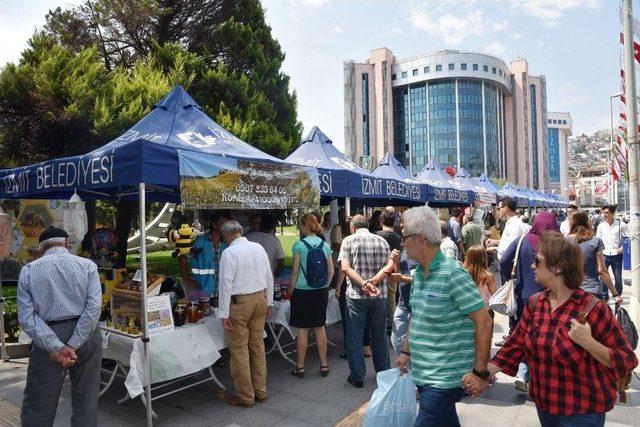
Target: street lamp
point(613, 188)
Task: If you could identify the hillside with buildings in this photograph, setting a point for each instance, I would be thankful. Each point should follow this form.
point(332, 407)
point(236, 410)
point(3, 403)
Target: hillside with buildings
point(588, 163)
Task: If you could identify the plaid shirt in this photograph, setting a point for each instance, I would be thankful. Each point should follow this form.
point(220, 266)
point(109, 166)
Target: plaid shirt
point(565, 379)
point(367, 253)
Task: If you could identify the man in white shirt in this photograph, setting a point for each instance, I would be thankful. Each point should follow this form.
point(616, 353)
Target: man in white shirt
point(513, 229)
point(269, 242)
point(611, 231)
point(447, 246)
point(565, 226)
point(246, 291)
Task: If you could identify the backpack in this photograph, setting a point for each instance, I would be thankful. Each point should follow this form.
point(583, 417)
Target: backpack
point(630, 332)
point(316, 274)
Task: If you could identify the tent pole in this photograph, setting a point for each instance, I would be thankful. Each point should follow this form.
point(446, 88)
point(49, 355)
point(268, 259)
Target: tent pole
point(347, 205)
point(143, 290)
point(333, 209)
point(3, 349)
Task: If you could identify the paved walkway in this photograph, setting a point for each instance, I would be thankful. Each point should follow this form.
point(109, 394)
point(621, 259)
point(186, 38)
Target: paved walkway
point(312, 401)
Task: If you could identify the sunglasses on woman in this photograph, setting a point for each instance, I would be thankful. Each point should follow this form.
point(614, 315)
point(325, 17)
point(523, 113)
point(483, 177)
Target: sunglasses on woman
point(538, 259)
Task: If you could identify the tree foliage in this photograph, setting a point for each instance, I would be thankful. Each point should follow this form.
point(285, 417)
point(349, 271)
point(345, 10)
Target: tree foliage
point(97, 68)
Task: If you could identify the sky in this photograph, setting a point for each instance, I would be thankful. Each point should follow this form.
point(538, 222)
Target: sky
point(573, 43)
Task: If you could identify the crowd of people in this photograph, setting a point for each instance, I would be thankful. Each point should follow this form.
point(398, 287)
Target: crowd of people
point(421, 278)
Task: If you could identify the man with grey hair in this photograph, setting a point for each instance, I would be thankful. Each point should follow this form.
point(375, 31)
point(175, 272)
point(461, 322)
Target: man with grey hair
point(449, 335)
point(365, 259)
point(246, 291)
point(59, 299)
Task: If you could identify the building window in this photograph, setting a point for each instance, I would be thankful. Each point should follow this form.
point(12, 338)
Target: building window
point(438, 67)
point(564, 122)
point(534, 135)
point(426, 70)
point(493, 70)
point(500, 73)
point(463, 66)
point(475, 67)
point(549, 121)
point(404, 74)
point(452, 67)
point(485, 68)
point(393, 76)
point(365, 114)
point(415, 72)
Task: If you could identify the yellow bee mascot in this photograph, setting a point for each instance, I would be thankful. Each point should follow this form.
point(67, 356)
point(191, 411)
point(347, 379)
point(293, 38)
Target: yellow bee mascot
point(183, 238)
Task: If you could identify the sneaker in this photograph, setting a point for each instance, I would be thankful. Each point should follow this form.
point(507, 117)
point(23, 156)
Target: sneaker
point(499, 343)
point(521, 385)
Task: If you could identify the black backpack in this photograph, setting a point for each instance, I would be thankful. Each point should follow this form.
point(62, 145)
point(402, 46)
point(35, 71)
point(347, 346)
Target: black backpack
point(316, 274)
point(627, 326)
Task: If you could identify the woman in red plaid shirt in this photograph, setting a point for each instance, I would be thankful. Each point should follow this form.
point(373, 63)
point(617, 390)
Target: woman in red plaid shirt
point(574, 367)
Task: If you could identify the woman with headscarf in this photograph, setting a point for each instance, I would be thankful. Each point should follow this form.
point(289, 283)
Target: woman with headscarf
point(526, 284)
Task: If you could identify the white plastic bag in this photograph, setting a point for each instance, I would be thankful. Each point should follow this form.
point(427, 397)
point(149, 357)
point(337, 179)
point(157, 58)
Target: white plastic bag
point(394, 402)
point(504, 300)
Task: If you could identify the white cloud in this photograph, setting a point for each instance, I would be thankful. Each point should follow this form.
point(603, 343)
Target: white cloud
point(496, 48)
point(312, 3)
point(337, 29)
point(550, 11)
point(454, 29)
point(392, 32)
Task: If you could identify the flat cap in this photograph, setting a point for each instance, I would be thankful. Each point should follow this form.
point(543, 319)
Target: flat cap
point(52, 233)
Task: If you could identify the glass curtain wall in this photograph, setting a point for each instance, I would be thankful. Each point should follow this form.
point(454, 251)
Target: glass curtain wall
point(471, 138)
point(491, 125)
point(442, 121)
point(419, 137)
point(401, 125)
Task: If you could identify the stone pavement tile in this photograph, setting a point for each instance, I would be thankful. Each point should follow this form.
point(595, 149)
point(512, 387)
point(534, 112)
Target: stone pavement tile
point(527, 416)
point(478, 411)
point(255, 416)
point(622, 415)
point(319, 413)
point(285, 403)
point(172, 416)
point(294, 421)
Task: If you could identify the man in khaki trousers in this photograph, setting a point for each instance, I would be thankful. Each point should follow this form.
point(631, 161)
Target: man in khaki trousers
point(246, 291)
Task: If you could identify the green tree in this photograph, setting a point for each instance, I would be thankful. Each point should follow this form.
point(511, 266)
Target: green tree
point(236, 62)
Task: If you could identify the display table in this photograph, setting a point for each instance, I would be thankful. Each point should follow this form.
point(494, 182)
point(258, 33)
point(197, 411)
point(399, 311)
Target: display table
point(174, 356)
point(279, 315)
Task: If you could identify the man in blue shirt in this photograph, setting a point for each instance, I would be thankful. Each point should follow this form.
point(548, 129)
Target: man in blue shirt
point(199, 270)
point(59, 300)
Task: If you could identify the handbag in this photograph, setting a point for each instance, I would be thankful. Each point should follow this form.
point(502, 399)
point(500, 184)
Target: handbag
point(504, 300)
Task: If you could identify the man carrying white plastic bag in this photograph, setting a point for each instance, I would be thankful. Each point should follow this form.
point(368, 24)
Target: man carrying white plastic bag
point(394, 401)
point(449, 335)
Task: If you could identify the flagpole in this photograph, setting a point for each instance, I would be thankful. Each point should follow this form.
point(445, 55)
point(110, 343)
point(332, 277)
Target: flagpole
point(632, 140)
point(612, 155)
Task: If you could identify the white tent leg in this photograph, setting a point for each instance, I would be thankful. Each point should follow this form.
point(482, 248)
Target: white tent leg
point(145, 325)
point(347, 205)
point(333, 209)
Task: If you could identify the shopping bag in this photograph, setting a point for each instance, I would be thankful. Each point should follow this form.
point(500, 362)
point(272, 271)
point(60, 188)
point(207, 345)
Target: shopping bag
point(393, 403)
point(504, 300)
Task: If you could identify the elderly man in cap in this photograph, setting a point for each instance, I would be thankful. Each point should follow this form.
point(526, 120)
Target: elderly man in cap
point(59, 298)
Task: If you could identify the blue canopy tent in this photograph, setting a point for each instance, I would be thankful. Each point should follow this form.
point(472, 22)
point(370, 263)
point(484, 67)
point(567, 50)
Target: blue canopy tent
point(482, 194)
point(340, 177)
point(444, 190)
point(176, 138)
point(390, 167)
point(176, 142)
point(521, 199)
point(484, 181)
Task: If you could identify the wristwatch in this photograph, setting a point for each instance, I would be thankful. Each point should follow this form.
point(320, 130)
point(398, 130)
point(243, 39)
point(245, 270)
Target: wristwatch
point(483, 375)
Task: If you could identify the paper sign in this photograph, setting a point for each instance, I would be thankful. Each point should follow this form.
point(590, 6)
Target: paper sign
point(159, 314)
point(137, 277)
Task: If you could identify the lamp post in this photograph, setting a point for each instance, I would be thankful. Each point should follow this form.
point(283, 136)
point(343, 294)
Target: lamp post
point(613, 188)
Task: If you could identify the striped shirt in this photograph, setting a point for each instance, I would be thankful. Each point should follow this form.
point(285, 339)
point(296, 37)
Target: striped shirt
point(441, 336)
point(58, 286)
point(367, 253)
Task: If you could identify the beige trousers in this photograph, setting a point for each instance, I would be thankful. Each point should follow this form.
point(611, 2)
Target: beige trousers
point(246, 346)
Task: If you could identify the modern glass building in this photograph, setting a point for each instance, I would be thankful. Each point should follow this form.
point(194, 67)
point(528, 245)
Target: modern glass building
point(464, 109)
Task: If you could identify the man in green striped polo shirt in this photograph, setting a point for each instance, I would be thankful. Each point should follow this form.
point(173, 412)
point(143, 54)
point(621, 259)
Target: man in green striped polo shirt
point(450, 329)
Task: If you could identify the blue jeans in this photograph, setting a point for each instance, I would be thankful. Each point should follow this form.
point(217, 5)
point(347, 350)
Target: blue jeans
point(576, 420)
point(615, 261)
point(362, 313)
point(438, 407)
point(399, 331)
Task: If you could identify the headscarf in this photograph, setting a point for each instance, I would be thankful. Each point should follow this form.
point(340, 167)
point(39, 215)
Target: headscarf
point(544, 221)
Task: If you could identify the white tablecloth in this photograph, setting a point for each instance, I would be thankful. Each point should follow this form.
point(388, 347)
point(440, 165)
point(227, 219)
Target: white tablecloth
point(281, 311)
point(173, 354)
